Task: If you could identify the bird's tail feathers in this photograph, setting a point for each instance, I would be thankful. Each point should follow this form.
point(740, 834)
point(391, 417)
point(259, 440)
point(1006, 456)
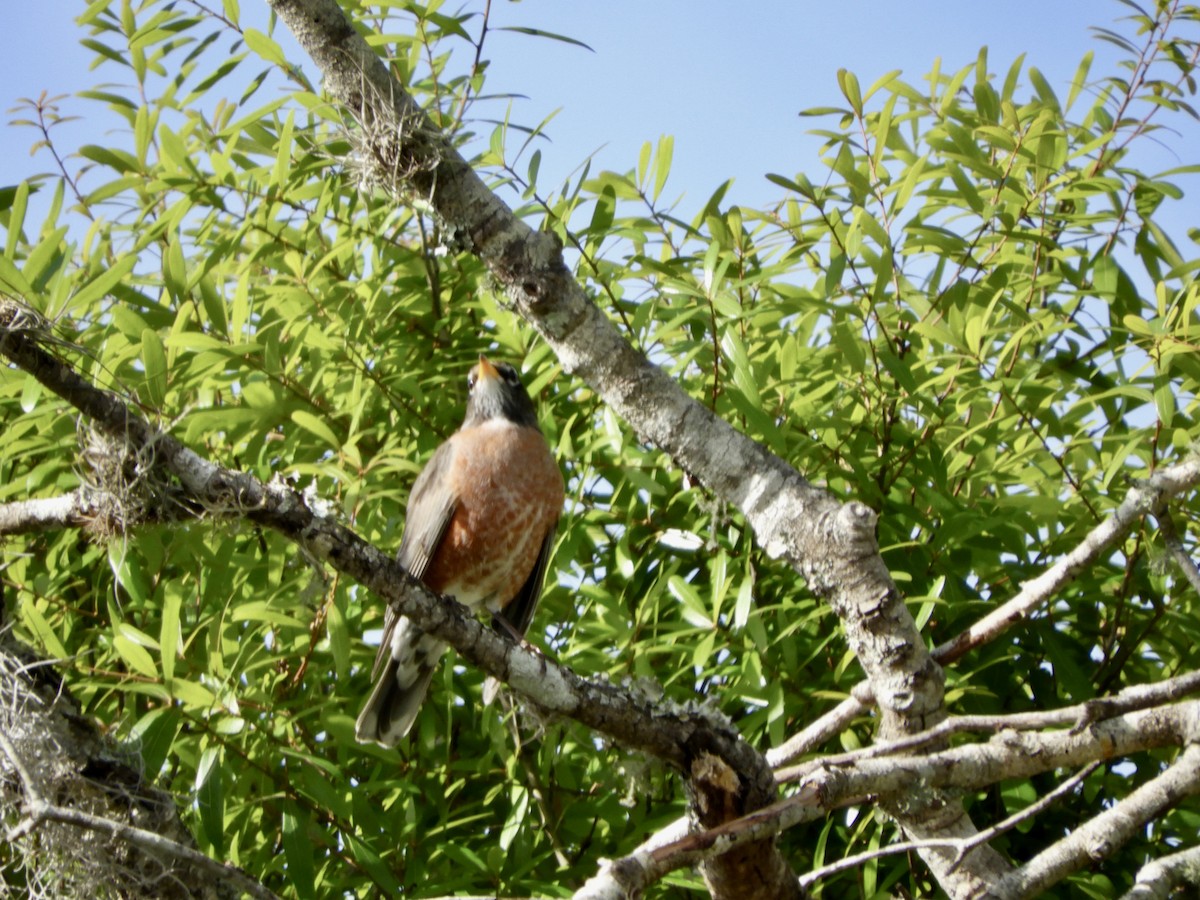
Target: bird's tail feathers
point(390, 711)
point(410, 658)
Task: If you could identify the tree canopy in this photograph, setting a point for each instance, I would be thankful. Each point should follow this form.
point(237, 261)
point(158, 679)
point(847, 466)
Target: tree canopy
point(965, 322)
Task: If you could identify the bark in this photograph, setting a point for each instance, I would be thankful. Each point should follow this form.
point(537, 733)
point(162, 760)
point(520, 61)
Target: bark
point(1159, 879)
point(44, 514)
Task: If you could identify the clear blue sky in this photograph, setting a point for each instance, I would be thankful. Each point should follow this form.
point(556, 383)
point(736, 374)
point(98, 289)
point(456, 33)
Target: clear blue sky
point(729, 86)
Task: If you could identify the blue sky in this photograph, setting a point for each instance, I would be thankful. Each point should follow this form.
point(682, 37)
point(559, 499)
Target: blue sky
point(728, 86)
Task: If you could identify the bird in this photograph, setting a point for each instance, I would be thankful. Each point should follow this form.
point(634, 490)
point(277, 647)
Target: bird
point(480, 528)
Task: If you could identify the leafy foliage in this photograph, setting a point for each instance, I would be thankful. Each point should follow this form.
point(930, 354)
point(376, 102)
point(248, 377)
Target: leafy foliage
point(971, 321)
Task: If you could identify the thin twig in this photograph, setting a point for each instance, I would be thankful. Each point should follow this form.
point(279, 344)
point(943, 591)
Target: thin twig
point(1174, 544)
point(817, 733)
point(961, 846)
point(1144, 497)
point(1101, 836)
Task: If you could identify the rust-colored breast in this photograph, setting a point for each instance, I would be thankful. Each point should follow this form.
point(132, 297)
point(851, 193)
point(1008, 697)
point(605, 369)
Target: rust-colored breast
point(510, 495)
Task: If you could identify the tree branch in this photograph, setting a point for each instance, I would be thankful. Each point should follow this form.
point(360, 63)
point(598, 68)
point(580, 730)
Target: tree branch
point(1079, 717)
point(1144, 497)
point(1157, 880)
point(44, 514)
point(1099, 837)
point(1174, 544)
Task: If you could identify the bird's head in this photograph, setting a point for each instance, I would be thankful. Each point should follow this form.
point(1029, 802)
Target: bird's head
point(495, 392)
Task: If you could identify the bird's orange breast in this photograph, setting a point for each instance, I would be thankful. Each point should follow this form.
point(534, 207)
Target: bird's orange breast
point(510, 494)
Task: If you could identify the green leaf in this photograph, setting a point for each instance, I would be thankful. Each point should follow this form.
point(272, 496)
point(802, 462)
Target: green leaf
point(45, 257)
point(156, 733)
point(662, 163)
point(538, 32)
point(16, 217)
point(135, 656)
point(210, 798)
point(46, 635)
point(154, 359)
point(316, 426)
point(745, 601)
point(1105, 272)
point(1044, 91)
point(850, 90)
point(175, 271)
point(339, 638)
point(104, 282)
point(283, 153)
point(1165, 402)
point(13, 281)
point(298, 851)
point(1080, 81)
point(694, 609)
point(264, 47)
point(169, 634)
point(261, 611)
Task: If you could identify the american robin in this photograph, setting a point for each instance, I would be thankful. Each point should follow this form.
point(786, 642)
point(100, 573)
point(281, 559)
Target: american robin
point(481, 520)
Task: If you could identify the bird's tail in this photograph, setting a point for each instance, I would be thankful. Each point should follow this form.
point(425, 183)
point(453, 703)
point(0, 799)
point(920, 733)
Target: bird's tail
point(400, 686)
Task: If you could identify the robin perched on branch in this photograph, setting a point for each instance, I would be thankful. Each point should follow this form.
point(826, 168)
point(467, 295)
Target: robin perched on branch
point(480, 526)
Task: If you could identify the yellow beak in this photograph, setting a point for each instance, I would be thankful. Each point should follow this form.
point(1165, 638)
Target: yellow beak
point(485, 370)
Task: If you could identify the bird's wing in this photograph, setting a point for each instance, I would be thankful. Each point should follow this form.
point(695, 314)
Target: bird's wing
point(519, 613)
point(431, 506)
point(515, 618)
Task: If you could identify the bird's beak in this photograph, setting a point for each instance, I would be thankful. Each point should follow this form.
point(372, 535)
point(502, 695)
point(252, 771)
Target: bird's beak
point(485, 371)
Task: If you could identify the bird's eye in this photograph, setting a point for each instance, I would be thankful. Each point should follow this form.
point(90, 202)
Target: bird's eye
point(471, 379)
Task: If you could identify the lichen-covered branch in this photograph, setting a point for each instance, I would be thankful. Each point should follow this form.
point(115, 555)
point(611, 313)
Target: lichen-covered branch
point(45, 514)
point(1157, 880)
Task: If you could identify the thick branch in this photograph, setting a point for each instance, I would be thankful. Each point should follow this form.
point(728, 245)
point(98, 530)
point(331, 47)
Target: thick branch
point(1077, 717)
point(1157, 880)
point(44, 514)
point(1008, 755)
point(882, 772)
